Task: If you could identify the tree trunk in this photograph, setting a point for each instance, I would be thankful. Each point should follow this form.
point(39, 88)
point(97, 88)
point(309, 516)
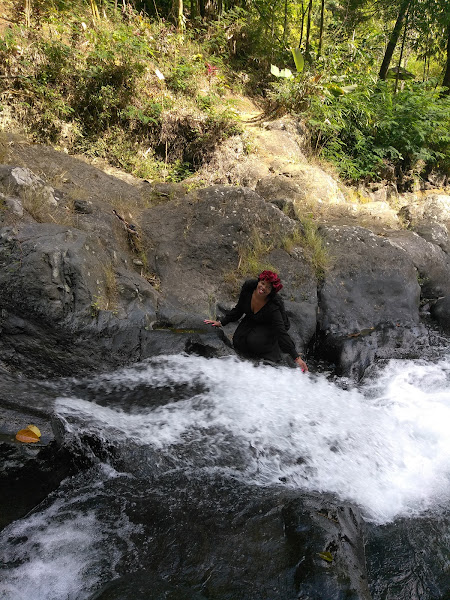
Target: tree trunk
point(27, 12)
point(302, 26)
point(285, 20)
point(308, 29)
point(322, 12)
point(397, 75)
point(177, 8)
point(446, 80)
point(393, 39)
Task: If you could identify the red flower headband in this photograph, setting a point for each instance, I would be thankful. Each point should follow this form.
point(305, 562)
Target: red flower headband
point(272, 278)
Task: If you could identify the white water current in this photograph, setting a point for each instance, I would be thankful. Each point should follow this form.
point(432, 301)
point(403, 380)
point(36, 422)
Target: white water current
point(384, 446)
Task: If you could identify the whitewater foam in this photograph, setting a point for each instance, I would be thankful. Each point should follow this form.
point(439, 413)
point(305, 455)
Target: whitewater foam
point(384, 446)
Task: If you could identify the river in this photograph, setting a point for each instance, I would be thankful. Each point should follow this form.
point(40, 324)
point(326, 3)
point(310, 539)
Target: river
point(158, 433)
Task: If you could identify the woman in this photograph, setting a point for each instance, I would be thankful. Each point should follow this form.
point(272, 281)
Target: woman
point(262, 332)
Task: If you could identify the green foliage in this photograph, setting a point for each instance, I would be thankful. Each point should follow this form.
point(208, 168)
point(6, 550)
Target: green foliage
point(252, 255)
point(298, 59)
point(107, 82)
point(140, 118)
point(358, 132)
point(284, 73)
point(294, 94)
point(90, 84)
point(207, 102)
point(95, 90)
point(313, 244)
point(184, 77)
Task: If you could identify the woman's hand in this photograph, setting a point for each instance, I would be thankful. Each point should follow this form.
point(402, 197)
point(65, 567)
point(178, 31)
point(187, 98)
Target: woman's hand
point(213, 323)
point(301, 363)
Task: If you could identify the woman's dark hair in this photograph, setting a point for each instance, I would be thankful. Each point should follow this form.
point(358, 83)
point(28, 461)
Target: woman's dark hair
point(272, 278)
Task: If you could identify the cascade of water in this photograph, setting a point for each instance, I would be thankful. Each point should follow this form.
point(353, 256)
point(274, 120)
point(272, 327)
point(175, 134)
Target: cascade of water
point(383, 446)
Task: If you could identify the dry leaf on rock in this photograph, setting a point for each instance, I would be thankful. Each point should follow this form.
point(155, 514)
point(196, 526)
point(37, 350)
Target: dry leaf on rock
point(34, 429)
point(30, 435)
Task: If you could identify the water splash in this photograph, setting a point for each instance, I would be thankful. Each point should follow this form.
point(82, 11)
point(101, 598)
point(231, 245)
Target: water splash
point(62, 551)
point(384, 446)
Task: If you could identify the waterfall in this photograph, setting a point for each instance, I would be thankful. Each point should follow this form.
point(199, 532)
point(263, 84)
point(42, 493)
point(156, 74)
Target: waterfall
point(382, 445)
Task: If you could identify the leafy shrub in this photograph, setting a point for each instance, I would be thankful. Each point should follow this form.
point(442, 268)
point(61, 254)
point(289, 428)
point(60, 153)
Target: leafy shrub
point(207, 102)
point(184, 78)
point(360, 130)
point(107, 81)
point(416, 124)
point(295, 94)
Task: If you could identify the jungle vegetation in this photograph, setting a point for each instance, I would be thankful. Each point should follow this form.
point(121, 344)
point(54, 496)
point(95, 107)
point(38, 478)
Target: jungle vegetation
point(149, 84)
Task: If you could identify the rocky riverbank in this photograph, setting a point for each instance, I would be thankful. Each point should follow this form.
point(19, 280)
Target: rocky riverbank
point(99, 271)
point(80, 290)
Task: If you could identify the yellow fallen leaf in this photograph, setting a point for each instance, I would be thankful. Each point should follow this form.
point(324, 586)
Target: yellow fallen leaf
point(34, 429)
point(27, 436)
point(326, 556)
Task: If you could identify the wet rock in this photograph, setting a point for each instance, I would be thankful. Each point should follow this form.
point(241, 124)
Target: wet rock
point(29, 473)
point(137, 586)
point(397, 552)
point(369, 300)
point(236, 541)
point(329, 541)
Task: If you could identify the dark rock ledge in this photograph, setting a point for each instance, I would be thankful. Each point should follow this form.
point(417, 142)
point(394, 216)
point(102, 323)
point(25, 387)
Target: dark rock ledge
point(83, 296)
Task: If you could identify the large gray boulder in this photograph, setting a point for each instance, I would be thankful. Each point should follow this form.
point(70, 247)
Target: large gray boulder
point(431, 262)
point(59, 288)
point(70, 302)
point(428, 246)
point(196, 247)
point(369, 300)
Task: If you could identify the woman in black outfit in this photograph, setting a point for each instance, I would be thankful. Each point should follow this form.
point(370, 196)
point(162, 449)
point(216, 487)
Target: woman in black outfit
point(262, 332)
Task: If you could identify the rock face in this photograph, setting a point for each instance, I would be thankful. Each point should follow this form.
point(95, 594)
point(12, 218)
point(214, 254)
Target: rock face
point(196, 246)
point(369, 300)
point(303, 185)
point(251, 544)
point(56, 297)
point(86, 294)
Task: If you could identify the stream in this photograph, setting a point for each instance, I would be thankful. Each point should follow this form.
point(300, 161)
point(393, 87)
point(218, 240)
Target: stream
point(180, 455)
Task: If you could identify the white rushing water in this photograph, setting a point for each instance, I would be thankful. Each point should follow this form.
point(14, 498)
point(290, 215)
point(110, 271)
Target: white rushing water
point(385, 446)
point(61, 551)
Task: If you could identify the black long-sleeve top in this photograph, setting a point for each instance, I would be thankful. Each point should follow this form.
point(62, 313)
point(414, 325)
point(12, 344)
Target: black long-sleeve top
point(261, 334)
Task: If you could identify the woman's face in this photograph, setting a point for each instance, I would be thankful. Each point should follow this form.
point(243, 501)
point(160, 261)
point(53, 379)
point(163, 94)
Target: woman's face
point(263, 288)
